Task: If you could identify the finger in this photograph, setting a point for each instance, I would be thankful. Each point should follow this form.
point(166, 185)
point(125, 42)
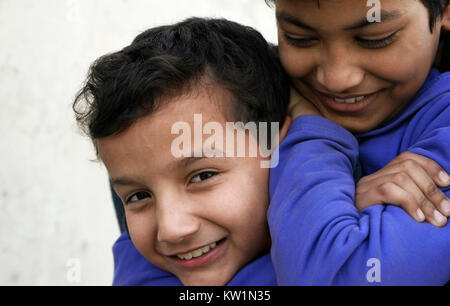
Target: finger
point(433, 169)
point(390, 193)
point(430, 210)
point(393, 167)
point(416, 198)
point(423, 179)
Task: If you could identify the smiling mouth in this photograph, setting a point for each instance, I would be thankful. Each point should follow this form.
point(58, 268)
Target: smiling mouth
point(197, 253)
point(200, 252)
point(349, 104)
point(349, 100)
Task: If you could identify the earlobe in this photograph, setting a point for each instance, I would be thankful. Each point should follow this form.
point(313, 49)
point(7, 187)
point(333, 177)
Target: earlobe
point(446, 18)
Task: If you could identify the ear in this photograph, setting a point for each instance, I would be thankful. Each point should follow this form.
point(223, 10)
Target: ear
point(285, 128)
point(446, 18)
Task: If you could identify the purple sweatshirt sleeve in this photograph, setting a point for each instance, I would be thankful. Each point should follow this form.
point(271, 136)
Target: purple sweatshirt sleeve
point(318, 237)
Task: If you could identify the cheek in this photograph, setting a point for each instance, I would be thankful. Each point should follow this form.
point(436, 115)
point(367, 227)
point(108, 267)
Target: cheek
point(248, 215)
point(404, 75)
point(409, 60)
point(142, 231)
point(297, 62)
point(395, 67)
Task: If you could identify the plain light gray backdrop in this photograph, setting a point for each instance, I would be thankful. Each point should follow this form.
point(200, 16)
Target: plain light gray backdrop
point(57, 223)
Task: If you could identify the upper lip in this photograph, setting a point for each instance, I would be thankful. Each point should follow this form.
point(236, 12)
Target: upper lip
point(192, 249)
point(345, 97)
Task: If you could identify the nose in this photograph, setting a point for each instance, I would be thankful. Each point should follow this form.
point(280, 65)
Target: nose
point(339, 70)
point(175, 221)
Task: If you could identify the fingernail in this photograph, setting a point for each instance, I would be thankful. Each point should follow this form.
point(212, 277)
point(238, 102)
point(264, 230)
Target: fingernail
point(420, 215)
point(443, 176)
point(445, 206)
point(438, 217)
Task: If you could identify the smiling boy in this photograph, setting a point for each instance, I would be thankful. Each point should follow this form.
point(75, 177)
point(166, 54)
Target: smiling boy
point(189, 216)
point(363, 75)
point(375, 80)
point(202, 219)
point(359, 74)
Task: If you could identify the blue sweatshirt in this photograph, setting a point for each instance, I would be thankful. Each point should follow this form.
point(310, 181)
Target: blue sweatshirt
point(318, 237)
point(317, 234)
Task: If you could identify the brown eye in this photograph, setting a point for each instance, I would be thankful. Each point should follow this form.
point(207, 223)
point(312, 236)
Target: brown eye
point(138, 196)
point(198, 178)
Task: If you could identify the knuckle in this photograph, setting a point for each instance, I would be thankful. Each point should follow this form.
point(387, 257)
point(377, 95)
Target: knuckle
point(408, 164)
point(431, 189)
point(385, 188)
point(405, 156)
point(401, 177)
point(423, 202)
point(433, 169)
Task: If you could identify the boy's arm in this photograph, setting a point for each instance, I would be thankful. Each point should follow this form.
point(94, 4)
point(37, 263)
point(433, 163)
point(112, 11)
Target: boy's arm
point(317, 234)
point(409, 181)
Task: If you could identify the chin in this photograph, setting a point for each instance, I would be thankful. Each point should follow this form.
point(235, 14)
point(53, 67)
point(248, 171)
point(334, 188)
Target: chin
point(356, 126)
point(205, 282)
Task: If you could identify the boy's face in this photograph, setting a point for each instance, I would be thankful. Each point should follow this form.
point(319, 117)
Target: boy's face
point(356, 73)
point(189, 206)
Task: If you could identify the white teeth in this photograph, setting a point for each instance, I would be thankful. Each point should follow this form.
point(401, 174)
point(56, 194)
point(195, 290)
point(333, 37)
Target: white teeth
point(352, 100)
point(197, 253)
point(349, 101)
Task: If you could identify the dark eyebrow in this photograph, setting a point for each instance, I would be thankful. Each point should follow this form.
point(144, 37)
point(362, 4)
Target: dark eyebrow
point(190, 160)
point(385, 16)
point(123, 181)
point(184, 162)
point(283, 16)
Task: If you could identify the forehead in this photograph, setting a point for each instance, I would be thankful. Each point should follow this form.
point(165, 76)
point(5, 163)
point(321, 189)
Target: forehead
point(328, 12)
point(151, 137)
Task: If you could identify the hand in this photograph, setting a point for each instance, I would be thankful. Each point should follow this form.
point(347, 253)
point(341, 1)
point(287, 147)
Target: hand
point(299, 105)
point(410, 181)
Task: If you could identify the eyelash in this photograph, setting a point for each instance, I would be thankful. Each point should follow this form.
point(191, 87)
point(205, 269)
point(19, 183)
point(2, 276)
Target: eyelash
point(298, 42)
point(214, 173)
point(366, 43)
point(128, 200)
point(378, 43)
point(146, 194)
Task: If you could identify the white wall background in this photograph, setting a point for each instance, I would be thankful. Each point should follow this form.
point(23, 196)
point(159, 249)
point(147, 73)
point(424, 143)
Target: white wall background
point(55, 204)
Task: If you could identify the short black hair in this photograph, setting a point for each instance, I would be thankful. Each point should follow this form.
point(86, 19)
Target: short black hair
point(435, 10)
point(124, 86)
